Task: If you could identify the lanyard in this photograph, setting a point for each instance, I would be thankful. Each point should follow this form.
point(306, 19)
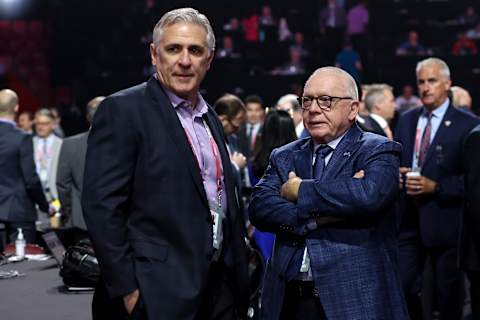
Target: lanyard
point(216, 156)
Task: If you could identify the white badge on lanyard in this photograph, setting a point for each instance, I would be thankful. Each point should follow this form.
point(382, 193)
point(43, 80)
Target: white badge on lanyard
point(43, 174)
point(216, 228)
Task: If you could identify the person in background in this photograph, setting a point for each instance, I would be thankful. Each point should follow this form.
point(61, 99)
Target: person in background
point(412, 46)
point(464, 46)
point(247, 135)
point(407, 100)
point(25, 121)
point(349, 60)
point(20, 187)
point(46, 146)
point(289, 103)
point(431, 197)
point(71, 166)
point(57, 128)
point(461, 98)
point(231, 112)
point(380, 103)
point(278, 130)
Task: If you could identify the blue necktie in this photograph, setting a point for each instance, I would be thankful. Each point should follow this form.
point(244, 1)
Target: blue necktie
point(319, 166)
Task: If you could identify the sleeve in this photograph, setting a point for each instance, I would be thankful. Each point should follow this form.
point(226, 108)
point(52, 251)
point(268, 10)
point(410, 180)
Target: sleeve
point(472, 167)
point(355, 198)
point(268, 210)
point(30, 177)
point(65, 180)
point(109, 170)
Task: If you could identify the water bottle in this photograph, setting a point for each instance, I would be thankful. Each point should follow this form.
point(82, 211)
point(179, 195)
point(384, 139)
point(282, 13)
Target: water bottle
point(20, 244)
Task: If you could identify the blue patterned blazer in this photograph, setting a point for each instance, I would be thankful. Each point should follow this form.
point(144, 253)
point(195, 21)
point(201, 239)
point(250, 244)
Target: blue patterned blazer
point(353, 261)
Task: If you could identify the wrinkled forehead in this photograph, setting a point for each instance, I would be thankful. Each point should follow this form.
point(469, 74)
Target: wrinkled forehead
point(326, 83)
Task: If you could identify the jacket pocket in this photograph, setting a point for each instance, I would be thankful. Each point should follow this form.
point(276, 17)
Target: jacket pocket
point(151, 250)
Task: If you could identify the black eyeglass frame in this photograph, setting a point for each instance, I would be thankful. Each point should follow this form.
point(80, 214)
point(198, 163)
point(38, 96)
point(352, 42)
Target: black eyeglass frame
point(318, 99)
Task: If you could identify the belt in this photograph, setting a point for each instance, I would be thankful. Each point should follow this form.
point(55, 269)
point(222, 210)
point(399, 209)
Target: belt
point(302, 289)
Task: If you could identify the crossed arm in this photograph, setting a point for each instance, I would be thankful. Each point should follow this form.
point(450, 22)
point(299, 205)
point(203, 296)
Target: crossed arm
point(288, 206)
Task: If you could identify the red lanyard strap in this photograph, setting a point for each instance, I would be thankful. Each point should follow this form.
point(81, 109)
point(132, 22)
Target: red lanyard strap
point(215, 152)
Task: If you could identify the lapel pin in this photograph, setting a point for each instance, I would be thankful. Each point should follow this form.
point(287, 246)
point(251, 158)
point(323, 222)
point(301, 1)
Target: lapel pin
point(346, 154)
point(439, 148)
point(448, 123)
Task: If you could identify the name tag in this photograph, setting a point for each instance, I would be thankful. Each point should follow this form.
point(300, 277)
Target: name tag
point(217, 228)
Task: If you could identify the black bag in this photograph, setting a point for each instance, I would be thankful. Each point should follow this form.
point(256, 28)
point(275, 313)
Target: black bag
point(80, 266)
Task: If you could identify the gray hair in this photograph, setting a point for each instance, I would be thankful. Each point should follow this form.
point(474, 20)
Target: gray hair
point(44, 112)
point(444, 69)
point(8, 101)
point(92, 107)
point(376, 95)
point(352, 89)
point(184, 15)
point(290, 99)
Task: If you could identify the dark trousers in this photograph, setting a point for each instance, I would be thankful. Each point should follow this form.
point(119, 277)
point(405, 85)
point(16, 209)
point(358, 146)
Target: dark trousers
point(301, 302)
point(447, 277)
point(474, 278)
point(217, 304)
point(218, 300)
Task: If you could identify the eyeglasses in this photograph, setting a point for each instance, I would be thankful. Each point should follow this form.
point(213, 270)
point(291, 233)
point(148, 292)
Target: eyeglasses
point(324, 102)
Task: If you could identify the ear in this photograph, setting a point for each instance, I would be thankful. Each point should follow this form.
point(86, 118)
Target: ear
point(16, 109)
point(210, 59)
point(354, 107)
point(153, 54)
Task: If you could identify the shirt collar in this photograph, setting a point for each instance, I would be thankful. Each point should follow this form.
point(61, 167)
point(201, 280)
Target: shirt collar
point(8, 121)
point(332, 144)
point(200, 109)
point(440, 111)
point(380, 120)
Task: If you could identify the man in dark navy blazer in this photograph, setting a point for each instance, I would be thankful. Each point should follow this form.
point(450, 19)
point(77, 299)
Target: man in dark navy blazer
point(20, 187)
point(335, 250)
point(159, 198)
point(432, 179)
point(470, 244)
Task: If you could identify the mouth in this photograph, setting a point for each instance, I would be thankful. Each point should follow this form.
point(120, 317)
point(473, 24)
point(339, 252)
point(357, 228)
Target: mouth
point(313, 124)
point(182, 76)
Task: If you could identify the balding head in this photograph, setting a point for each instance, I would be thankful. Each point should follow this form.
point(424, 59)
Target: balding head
point(8, 102)
point(461, 97)
point(345, 78)
point(92, 106)
point(330, 103)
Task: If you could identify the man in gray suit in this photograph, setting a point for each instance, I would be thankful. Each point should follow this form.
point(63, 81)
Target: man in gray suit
point(46, 149)
point(71, 164)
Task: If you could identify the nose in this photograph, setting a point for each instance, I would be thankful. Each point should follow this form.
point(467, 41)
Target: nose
point(185, 60)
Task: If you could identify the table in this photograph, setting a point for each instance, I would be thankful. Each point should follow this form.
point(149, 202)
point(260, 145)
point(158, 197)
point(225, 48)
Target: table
point(36, 295)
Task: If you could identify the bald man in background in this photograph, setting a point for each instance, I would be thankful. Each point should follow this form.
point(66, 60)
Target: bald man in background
point(20, 187)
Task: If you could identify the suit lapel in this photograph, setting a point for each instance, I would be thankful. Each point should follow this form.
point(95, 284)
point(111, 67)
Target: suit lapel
point(342, 153)
point(174, 128)
point(303, 160)
point(444, 129)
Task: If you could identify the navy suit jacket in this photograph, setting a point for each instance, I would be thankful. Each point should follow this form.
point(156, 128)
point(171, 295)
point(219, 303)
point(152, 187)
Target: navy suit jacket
point(470, 244)
point(436, 216)
point(20, 187)
point(353, 261)
point(146, 208)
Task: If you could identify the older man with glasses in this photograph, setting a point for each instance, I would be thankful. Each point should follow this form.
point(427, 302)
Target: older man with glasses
point(330, 201)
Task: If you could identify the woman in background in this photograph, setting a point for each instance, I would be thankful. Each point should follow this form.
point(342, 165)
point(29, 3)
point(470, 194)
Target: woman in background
point(278, 130)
